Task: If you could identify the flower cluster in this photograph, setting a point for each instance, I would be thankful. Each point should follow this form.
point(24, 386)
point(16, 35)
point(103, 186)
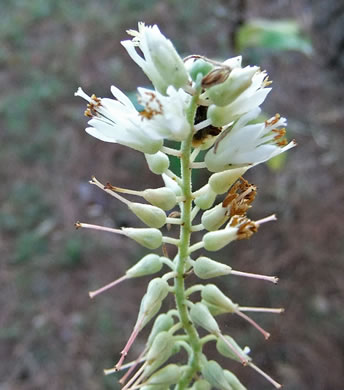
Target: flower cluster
point(211, 109)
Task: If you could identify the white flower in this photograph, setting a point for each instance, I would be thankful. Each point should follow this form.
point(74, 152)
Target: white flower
point(248, 144)
point(118, 121)
point(252, 97)
point(160, 62)
point(166, 115)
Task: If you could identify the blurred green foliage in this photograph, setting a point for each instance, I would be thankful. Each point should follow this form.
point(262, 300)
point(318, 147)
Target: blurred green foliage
point(271, 35)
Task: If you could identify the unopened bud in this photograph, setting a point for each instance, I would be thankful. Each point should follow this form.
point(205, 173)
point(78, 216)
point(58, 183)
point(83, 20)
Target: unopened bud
point(158, 163)
point(150, 215)
point(206, 268)
point(159, 352)
point(201, 316)
point(236, 83)
point(200, 66)
point(233, 381)
point(163, 197)
point(214, 241)
point(168, 375)
point(148, 237)
point(162, 323)
point(149, 264)
point(201, 384)
point(214, 296)
point(206, 199)
point(214, 218)
point(223, 348)
point(172, 184)
point(220, 182)
point(213, 373)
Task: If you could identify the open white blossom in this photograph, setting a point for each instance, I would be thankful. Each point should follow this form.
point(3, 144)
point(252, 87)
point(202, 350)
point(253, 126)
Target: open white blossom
point(166, 115)
point(118, 121)
point(253, 96)
point(248, 144)
point(160, 62)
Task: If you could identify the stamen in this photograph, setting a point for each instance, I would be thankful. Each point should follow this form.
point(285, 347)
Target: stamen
point(108, 188)
point(265, 375)
point(97, 227)
point(253, 323)
point(270, 218)
point(92, 294)
point(262, 309)
point(132, 367)
point(272, 279)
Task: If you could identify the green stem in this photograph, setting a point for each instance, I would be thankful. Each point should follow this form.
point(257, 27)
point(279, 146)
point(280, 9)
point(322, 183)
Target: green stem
point(183, 254)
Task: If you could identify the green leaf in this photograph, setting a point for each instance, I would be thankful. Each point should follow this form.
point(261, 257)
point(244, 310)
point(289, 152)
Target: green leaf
point(274, 35)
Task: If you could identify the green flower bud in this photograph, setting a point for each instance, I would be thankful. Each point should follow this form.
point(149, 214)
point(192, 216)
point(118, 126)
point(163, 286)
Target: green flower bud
point(163, 197)
point(233, 381)
point(206, 199)
point(168, 375)
point(149, 264)
point(172, 184)
point(213, 295)
point(213, 373)
point(150, 215)
point(201, 384)
point(200, 66)
point(162, 323)
point(238, 80)
point(214, 241)
point(158, 163)
point(148, 237)
point(224, 349)
point(221, 182)
point(201, 316)
point(206, 268)
point(159, 352)
point(157, 291)
point(214, 310)
point(214, 218)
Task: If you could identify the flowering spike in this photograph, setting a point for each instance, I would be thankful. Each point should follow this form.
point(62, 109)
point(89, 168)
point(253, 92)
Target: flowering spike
point(199, 104)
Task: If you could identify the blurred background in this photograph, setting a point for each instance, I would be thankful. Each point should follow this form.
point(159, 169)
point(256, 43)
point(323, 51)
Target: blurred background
point(51, 334)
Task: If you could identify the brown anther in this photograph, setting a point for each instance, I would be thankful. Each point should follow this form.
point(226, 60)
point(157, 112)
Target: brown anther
point(272, 121)
point(283, 142)
point(96, 100)
point(77, 225)
point(88, 113)
point(216, 76)
point(109, 186)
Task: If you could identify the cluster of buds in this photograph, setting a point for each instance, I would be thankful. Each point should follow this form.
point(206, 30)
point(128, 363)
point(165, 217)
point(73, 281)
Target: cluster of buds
point(204, 106)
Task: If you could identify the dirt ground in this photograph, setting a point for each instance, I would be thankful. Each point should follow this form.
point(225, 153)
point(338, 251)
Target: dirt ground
point(51, 334)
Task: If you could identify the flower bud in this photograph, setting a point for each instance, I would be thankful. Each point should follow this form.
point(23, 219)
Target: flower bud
point(172, 184)
point(168, 375)
point(157, 291)
point(148, 237)
point(201, 316)
point(201, 384)
point(224, 349)
point(213, 373)
point(149, 264)
point(163, 197)
point(214, 218)
point(220, 182)
point(239, 79)
point(206, 199)
point(206, 268)
point(158, 163)
point(233, 381)
point(214, 241)
point(159, 352)
point(213, 295)
point(200, 66)
point(162, 323)
point(150, 215)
